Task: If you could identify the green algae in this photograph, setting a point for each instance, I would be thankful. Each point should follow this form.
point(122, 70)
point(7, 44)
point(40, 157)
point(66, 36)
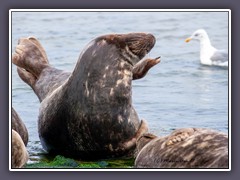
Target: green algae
point(57, 162)
point(62, 162)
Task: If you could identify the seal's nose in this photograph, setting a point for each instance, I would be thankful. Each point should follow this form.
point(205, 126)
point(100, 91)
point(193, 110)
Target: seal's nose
point(151, 38)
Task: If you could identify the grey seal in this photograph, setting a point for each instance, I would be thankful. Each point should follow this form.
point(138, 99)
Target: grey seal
point(19, 151)
point(183, 148)
point(19, 126)
point(88, 113)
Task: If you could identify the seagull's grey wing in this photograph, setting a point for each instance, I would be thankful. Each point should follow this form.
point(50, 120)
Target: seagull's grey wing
point(220, 56)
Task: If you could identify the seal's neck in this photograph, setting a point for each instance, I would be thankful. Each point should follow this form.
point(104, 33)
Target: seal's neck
point(129, 56)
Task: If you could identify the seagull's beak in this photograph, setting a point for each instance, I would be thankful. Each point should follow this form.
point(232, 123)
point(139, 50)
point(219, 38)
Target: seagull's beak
point(188, 39)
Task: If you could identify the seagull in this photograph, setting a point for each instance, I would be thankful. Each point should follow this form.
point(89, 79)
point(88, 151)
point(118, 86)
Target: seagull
point(209, 55)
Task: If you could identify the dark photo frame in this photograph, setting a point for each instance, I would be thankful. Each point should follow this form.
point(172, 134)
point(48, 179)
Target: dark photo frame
point(4, 95)
point(175, 23)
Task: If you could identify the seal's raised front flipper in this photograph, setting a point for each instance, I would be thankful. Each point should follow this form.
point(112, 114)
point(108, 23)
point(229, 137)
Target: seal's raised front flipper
point(142, 67)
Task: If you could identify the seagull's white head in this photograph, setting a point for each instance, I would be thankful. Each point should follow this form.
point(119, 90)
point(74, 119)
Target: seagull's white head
point(199, 34)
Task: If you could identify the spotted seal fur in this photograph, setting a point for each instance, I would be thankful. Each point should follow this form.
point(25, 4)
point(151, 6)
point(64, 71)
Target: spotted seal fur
point(19, 152)
point(88, 113)
point(19, 126)
point(183, 148)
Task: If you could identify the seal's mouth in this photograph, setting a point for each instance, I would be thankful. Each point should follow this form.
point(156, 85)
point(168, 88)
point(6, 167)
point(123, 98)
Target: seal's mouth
point(140, 44)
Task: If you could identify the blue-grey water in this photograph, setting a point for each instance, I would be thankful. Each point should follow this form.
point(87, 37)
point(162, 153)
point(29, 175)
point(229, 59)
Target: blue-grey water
point(178, 92)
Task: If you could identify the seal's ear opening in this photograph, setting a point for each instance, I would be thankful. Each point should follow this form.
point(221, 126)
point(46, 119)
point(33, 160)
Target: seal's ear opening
point(140, 43)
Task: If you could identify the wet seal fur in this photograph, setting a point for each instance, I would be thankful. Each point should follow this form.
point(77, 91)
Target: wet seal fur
point(18, 151)
point(19, 126)
point(19, 140)
point(88, 113)
point(184, 148)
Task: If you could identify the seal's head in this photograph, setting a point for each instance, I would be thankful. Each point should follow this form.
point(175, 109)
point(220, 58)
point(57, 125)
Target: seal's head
point(135, 45)
point(143, 140)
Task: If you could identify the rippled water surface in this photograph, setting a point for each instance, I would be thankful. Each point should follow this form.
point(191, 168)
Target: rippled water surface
point(178, 92)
